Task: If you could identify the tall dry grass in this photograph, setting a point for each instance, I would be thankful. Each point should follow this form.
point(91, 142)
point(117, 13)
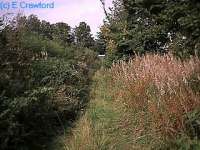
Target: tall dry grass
point(158, 89)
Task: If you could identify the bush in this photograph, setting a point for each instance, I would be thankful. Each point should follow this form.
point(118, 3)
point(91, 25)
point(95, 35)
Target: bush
point(54, 88)
point(39, 92)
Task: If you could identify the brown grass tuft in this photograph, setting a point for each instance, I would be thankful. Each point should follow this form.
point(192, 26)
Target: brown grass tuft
point(159, 87)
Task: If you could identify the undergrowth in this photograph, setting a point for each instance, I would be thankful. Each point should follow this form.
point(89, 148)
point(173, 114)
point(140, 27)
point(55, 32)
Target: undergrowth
point(150, 102)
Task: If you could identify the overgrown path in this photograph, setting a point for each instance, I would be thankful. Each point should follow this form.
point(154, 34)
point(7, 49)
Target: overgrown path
point(123, 111)
point(102, 125)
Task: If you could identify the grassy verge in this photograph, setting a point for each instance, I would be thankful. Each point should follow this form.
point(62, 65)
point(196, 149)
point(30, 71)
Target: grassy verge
point(148, 103)
point(104, 126)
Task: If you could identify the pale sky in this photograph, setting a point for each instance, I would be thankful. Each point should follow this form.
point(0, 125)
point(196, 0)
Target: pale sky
point(72, 12)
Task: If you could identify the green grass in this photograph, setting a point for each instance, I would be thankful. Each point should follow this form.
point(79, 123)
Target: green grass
point(104, 126)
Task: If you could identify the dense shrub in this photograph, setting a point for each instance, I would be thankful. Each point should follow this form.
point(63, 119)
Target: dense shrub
point(38, 94)
point(54, 88)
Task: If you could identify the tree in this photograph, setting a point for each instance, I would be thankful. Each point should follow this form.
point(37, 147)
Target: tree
point(83, 36)
point(115, 32)
point(33, 23)
point(156, 26)
point(46, 29)
point(62, 32)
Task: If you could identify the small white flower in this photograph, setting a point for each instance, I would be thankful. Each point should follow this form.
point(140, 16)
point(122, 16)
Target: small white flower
point(184, 37)
point(138, 19)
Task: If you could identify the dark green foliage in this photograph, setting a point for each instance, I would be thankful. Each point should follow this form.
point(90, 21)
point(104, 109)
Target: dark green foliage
point(154, 26)
point(37, 44)
point(62, 32)
point(58, 32)
point(22, 116)
point(192, 124)
point(54, 87)
point(32, 23)
point(194, 83)
point(190, 139)
point(46, 29)
point(35, 96)
point(43, 82)
point(83, 36)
